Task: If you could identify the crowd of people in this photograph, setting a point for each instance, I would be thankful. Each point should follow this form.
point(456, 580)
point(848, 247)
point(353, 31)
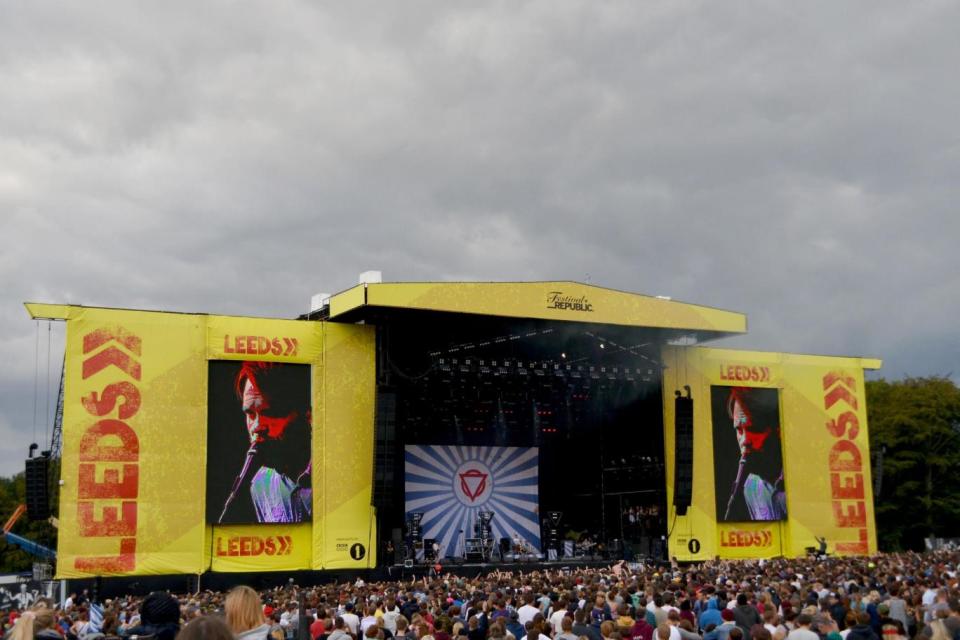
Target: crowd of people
point(897, 596)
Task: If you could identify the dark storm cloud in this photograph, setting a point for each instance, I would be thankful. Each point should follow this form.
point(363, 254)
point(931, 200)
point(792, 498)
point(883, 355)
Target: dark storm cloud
point(796, 162)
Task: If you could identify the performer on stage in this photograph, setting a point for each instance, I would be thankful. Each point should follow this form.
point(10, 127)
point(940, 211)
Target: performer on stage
point(758, 491)
point(278, 459)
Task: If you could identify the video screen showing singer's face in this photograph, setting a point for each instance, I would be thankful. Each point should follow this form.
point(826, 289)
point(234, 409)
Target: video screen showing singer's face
point(258, 443)
point(748, 461)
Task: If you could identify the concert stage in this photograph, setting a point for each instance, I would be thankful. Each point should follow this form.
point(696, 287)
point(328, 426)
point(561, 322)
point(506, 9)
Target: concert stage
point(404, 421)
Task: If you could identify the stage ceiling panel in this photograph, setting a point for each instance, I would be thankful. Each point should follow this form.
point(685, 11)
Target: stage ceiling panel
point(560, 301)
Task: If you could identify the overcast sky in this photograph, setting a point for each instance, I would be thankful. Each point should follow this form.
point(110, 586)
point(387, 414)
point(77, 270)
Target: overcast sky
point(797, 162)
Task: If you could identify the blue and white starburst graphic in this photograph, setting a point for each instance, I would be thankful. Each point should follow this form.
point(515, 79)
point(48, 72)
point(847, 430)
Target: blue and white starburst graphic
point(450, 485)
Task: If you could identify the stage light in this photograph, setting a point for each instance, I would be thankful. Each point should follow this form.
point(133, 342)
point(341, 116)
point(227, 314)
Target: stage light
point(603, 346)
point(563, 355)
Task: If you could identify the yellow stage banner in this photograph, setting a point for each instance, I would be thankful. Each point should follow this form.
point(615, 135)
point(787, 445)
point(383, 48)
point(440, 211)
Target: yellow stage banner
point(174, 423)
point(263, 339)
point(134, 444)
point(808, 414)
point(241, 548)
point(345, 388)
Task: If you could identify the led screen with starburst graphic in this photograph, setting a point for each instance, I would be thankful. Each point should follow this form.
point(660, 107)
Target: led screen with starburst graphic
point(451, 485)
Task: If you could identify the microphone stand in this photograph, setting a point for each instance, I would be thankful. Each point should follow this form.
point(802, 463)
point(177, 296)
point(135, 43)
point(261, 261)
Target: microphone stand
point(737, 485)
point(251, 454)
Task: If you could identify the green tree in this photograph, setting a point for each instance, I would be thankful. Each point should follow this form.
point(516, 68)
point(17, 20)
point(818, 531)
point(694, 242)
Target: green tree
point(13, 559)
point(915, 442)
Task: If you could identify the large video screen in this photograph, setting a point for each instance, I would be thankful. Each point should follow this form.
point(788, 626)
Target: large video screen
point(450, 486)
point(258, 443)
point(747, 455)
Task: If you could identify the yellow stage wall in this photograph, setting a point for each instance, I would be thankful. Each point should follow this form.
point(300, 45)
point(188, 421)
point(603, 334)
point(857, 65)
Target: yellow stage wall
point(135, 444)
point(826, 454)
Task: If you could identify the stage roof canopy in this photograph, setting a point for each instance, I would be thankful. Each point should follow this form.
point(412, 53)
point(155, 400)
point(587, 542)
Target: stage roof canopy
point(552, 301)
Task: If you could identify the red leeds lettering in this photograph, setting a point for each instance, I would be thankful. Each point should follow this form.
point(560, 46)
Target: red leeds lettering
point(837, 394)
point(847, 487)
point(111, 356)
point(127, 451)
point(839, 460)
point(122, 562)
point(838, 426)
point(860, 547)
point(226, 344)
point(97, 406)
point(112, 487)
point(102, 336)
point(838, 376)
point(854, 516)
point(111, 525)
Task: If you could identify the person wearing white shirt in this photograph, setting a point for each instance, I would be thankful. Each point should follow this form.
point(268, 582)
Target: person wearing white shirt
point(527, 611)
point(351, 619)
point(556, 619)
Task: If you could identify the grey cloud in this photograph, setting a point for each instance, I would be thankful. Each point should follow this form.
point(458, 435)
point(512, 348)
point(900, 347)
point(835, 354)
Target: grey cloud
point(795, 162)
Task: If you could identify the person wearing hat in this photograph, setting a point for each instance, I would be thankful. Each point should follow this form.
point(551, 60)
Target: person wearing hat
point(159, 617)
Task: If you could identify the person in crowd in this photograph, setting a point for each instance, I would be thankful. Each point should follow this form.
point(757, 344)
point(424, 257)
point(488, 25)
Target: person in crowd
point(244, 614)
point(340, 630)
point(514, 627)
point(159, 617)
point(746, 615)
point(36, 623)
point(206, 628)
point(351, 619)
point(863, 630)
point(710, 615)
point(581, 628)
point(802, 630)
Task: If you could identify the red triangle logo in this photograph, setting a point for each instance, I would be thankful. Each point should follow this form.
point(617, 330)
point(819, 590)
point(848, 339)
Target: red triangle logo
point(473, 483)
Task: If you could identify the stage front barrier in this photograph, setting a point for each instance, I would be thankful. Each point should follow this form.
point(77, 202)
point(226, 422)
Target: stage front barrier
point(139, 440)
point(781, 454)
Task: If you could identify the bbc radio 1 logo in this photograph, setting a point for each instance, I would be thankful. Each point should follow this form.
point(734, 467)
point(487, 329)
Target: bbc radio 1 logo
point(357, 550)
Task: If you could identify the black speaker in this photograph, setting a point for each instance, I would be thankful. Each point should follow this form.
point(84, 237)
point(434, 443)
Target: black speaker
point(37, 489)
point(683, 452)
point(506, 546)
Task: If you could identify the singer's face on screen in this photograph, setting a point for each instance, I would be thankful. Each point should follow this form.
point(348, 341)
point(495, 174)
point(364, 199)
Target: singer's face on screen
point(262, 424)
point(749, 437)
